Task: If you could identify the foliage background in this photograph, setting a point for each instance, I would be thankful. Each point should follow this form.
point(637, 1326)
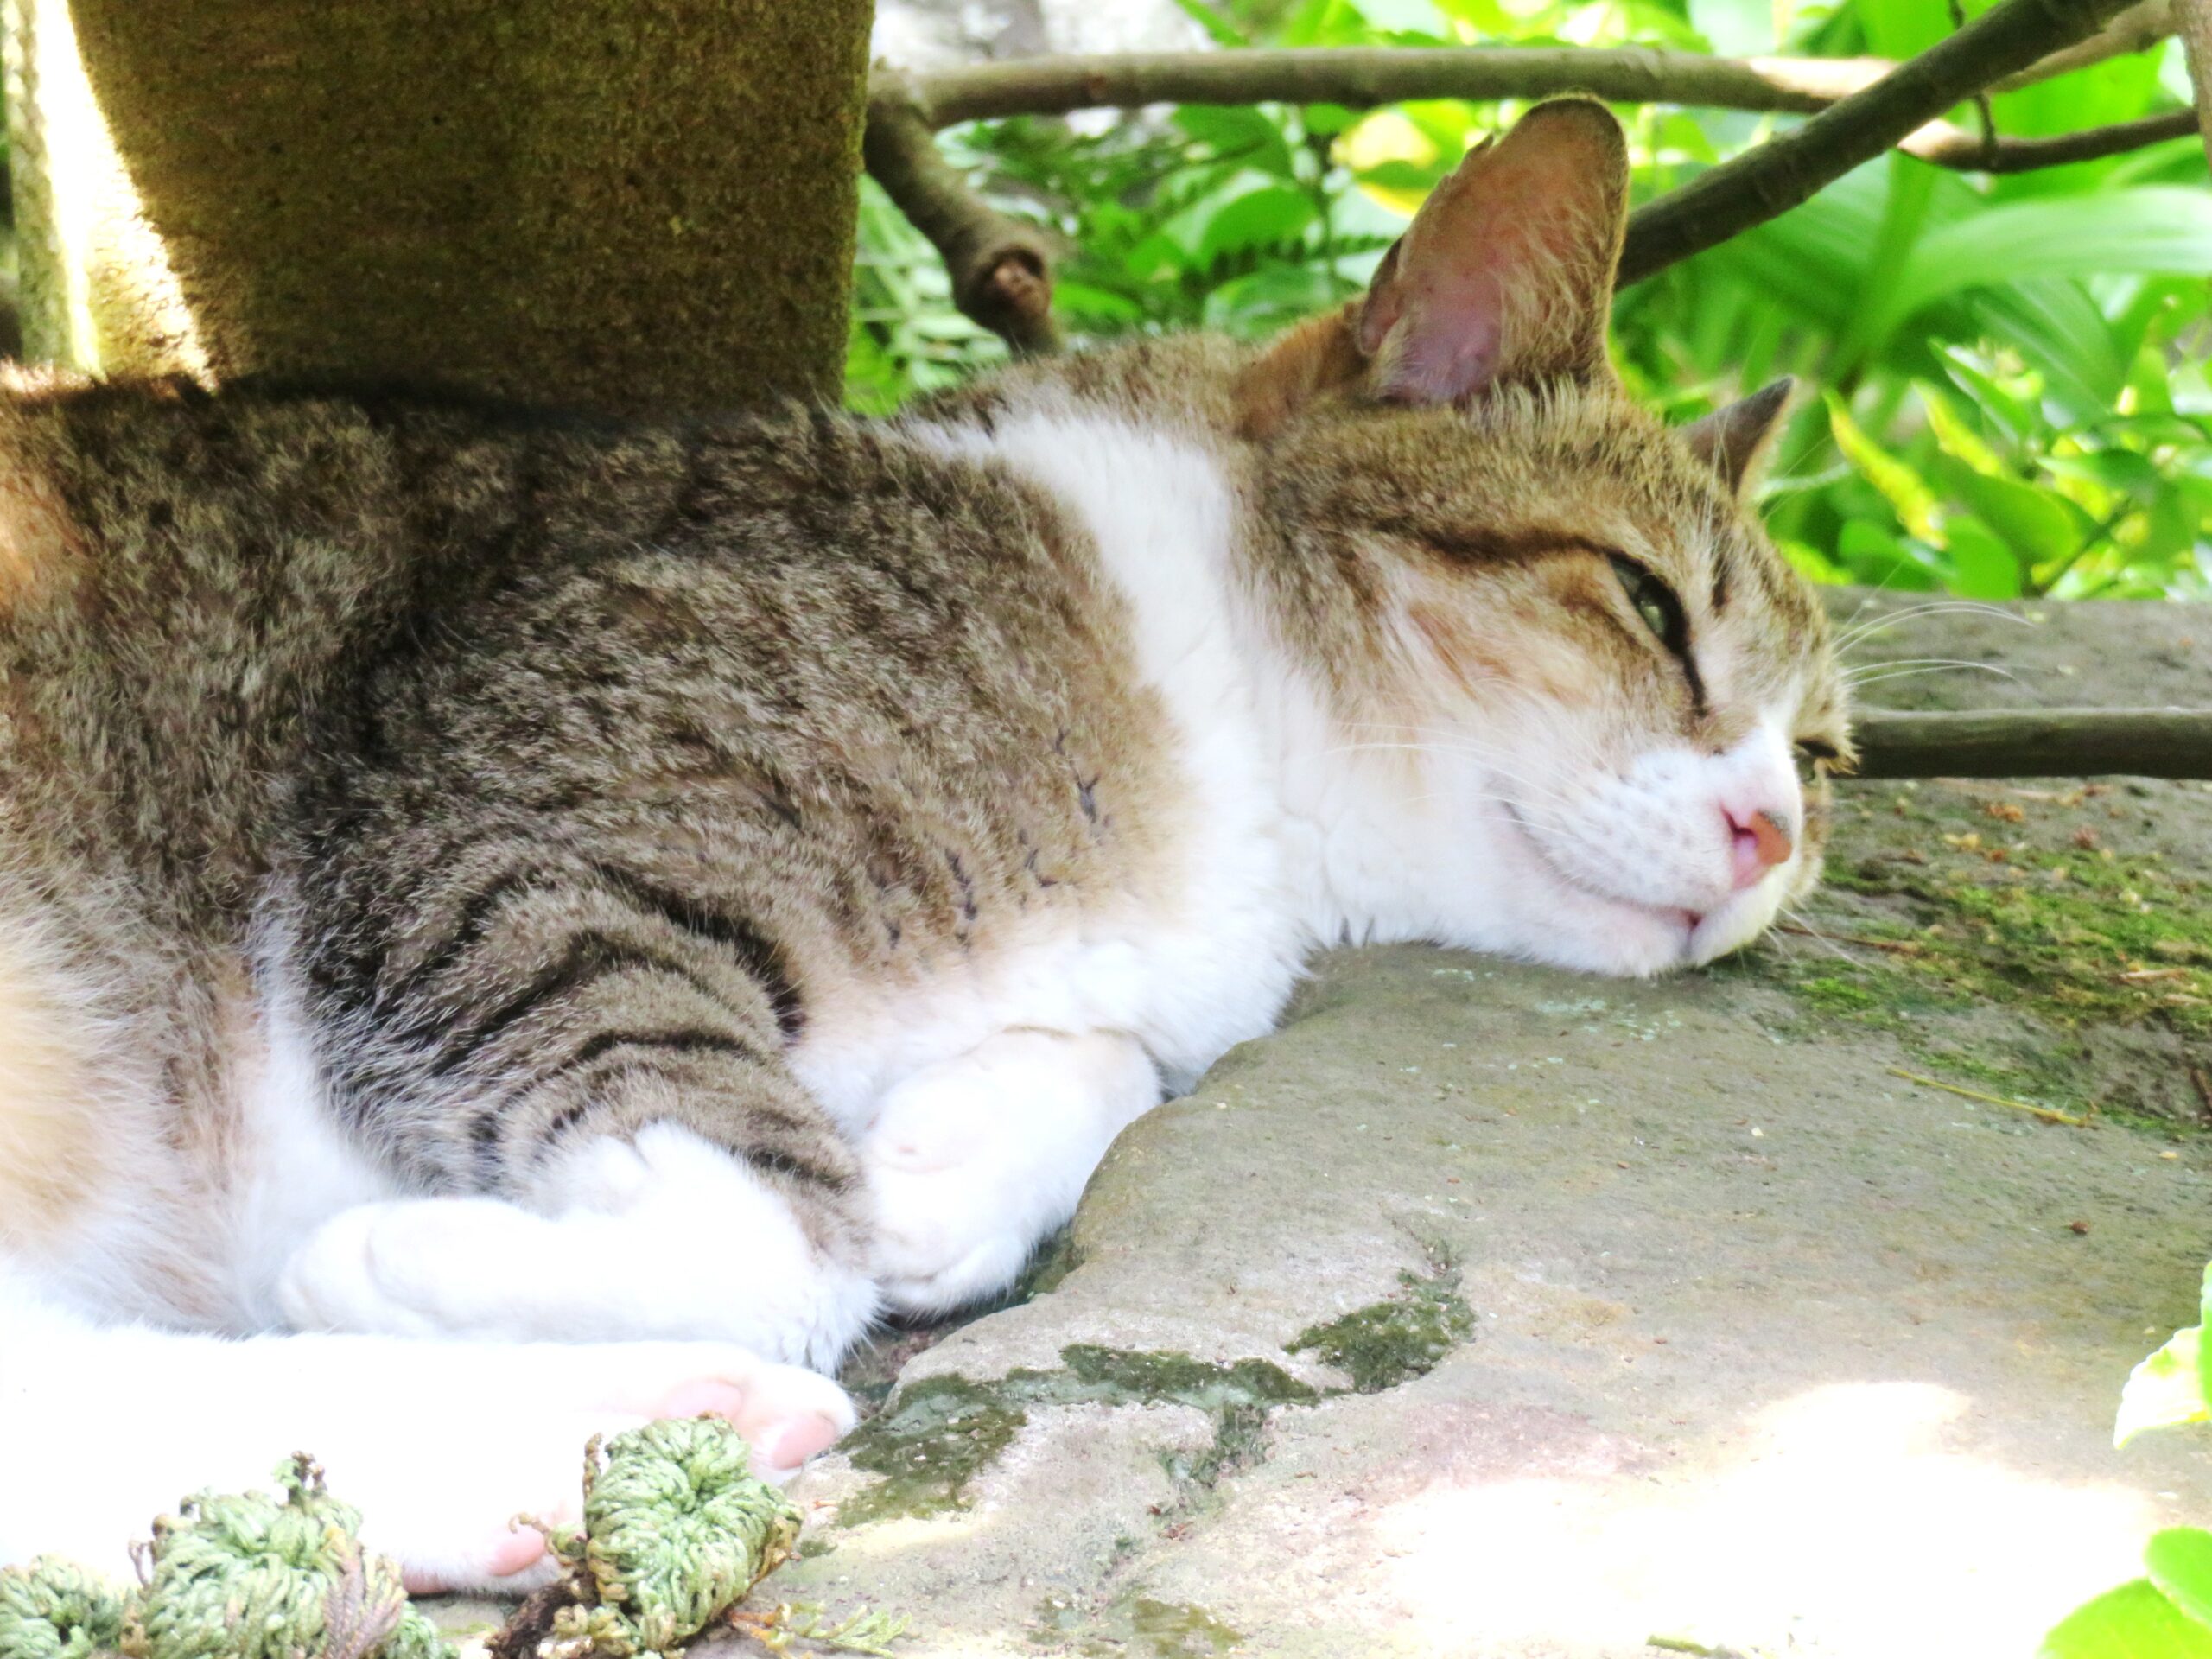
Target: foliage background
point(2006, 381)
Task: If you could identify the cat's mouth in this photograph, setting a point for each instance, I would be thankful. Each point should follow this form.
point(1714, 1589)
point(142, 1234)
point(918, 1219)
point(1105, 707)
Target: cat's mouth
point(1682, 921)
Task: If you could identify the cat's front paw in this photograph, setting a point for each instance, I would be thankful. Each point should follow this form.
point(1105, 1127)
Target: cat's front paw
point(941, 1240)
point(973, 1160)
point(408, 1268)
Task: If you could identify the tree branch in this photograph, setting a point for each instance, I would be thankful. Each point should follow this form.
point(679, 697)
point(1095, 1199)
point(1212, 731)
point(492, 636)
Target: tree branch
point(1764, 182)
point(1001, 268)
point(2036, 743)
point(2194, 19)
point(1364, 77)
point(2137, 29)
point(1947, 145)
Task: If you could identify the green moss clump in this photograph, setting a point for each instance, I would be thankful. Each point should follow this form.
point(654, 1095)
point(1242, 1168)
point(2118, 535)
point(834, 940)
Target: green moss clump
point(927, 1445)
point(1178, 1630)
point(1388, 1343)
point(1122, 1374)
point(938, 1435)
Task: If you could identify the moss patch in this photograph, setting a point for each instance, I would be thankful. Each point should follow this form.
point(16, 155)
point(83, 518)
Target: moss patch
point(1177, 1630)
point(936, 1436)
point(926, 1446)
point(1388, 1343)
point(2004, 943)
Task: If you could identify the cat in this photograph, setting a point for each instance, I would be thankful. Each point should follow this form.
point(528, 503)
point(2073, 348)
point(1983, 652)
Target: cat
point(511, 926)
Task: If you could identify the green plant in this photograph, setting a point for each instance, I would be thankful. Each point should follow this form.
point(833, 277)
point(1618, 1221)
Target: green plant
point(2167, 1613)
point(2009, 396)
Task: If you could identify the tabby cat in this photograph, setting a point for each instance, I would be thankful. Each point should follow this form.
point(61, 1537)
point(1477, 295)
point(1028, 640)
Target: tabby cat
point(513, 926)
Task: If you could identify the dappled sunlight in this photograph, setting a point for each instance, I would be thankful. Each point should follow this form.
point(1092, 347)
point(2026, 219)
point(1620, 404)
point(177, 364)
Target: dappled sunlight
point(114, 307)
point(1843, 1522)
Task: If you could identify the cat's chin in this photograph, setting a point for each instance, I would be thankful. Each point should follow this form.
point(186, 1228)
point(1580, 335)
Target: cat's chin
point(1568, 923)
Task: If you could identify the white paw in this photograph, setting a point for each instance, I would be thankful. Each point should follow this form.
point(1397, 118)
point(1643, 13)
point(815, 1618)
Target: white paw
point(409, 1268)
point(664, 1238)
point(972, 1161)
point(943, 1236)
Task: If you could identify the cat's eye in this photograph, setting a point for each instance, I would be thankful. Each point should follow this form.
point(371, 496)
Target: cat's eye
point(1654, 601)
point(1815, 754)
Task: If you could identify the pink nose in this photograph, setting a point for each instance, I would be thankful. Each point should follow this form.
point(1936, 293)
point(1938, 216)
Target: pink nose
point(1761, 844)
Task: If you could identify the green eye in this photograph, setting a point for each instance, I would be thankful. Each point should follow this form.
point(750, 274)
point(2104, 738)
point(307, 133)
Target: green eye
point(1655, 601)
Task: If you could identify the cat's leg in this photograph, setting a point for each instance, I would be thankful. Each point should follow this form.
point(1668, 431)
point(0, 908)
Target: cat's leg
point(661, 1236)
point(591, 1062)
point(439, 1444)
point(972, 1161)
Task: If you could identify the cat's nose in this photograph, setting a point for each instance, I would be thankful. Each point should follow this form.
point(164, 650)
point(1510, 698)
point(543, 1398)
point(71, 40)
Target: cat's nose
point(1762, 840)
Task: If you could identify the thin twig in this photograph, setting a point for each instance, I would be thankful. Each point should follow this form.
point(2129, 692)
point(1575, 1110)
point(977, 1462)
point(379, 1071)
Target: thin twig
point(1946, 145)
point(2050, 1114)
point(1001, 268)
point(2194, 21)
point(2137, 29)
point(1768, 181)
point(1363, 77)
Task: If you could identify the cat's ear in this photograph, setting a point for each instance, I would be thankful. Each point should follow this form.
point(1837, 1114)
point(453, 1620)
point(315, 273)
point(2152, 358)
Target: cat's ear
point(1505, 274)
point(1733, 440)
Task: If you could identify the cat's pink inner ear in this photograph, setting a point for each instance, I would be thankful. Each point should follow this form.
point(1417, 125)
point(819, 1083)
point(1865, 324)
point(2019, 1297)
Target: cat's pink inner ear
point(1507, 271)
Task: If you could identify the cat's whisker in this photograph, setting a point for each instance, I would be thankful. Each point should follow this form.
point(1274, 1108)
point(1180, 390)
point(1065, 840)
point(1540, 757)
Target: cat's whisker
point(1804, 925)
point(1852, 636)
point(1874, 674)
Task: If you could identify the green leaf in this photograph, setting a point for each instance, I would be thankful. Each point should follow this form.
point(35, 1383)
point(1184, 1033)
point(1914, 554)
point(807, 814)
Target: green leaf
point(1954, 436)
point(2055, 326)
point(1905, 491)
point(2164, 1390)
point(2179, 1560)
point(1982, 565)
point(1246, 134)
point(2012, 411)
point(1905, 215)
point(1266, 218)
point(2150, 228)
point(2133, 1622)
point(2033, 522)
point(2123, 470)
point(1881, 560)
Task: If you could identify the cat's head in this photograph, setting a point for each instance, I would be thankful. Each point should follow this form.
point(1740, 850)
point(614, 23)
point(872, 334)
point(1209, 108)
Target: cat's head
point(1612, 690)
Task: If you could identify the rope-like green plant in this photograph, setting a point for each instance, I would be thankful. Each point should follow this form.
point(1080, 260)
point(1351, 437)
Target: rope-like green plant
point(244, 1576)
point(676, 1531)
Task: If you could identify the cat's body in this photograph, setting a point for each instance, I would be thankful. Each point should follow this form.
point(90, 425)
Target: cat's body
point(494, 880)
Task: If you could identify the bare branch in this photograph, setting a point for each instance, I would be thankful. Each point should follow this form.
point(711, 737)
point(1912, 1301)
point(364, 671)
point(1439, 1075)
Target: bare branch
point(2194, 19)
point(1764, 182)
point(2036, 743)
point(1001, 268)
point(2137, 29)
point(1364, 77)
point(1952, 147)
